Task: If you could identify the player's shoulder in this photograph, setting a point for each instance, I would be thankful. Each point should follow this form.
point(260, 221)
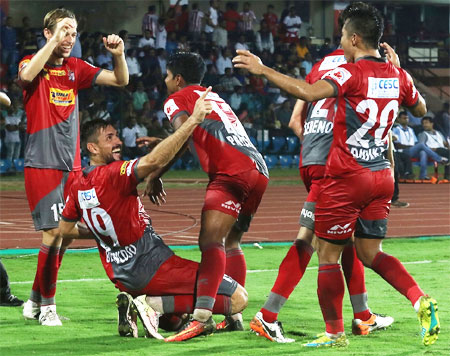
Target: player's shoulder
point(327, 63)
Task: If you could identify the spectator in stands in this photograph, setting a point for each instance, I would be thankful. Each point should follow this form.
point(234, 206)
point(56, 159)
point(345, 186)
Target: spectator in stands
point(211, 78)
point(236, 98)
point(150, 20)
point(228, 82)
point(147, 40)
point(241, 43)
point(196, 18)
point(264, 38)
point(14, 120)
point(129, 135)
point(435, 141)
point(223, 61)
point(302, 47)
point(104, 59)
point(406, 144)
point(220, 35)
point(140, 97)
point(183, 20)
point(26, 26)
point(183, 44)
point(123, 34)
point(283, 115)
point(248, 19)
point(292, 23)
point(307, 63)
point(28, 44)
point(271, 20)
point(162, 59)
point(326, 48)
point(102, 112)
point(171, 44)
point(232, 18)
point(8, 37)
point(141, 126)
point(442, 120)
point(161, 35)
point(212, 18)
point(134, 68)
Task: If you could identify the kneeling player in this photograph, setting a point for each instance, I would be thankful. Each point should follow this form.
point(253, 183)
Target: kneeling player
point(135, 258)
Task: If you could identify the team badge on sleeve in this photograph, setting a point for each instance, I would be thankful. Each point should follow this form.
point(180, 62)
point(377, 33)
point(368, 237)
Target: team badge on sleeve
point(170, 107)
point(23, 64)
point(340, 75)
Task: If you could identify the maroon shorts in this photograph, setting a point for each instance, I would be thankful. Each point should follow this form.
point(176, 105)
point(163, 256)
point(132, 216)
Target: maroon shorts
point(357, 204)
point(47, 190)
point(178, 276)
point(234, 195)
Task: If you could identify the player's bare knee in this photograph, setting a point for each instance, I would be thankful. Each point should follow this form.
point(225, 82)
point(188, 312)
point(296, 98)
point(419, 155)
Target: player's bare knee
point(52, 237)
point(239, 300)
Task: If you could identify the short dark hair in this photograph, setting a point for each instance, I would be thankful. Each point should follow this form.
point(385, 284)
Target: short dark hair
point(90, 131)
point(402, 113)
point(427, 118)
point(189, 65)
point(365, 20)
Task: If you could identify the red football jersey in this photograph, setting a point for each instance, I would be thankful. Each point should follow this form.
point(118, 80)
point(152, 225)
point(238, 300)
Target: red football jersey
point(107, 199)
point(51, 105)
point(318, 124)
point(370, 92)
point(220, 141)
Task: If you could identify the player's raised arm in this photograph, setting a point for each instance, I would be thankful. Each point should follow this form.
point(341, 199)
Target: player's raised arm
point(119, 77)
point(164, 152)
point(296, 87)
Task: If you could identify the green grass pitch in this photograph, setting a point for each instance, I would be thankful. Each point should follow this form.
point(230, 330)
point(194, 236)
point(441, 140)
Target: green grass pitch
point(87, 298)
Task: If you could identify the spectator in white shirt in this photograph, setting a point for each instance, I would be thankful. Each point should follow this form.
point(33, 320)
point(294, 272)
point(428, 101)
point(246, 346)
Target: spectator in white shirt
point(248, 19)
point(129, 135)
point(134, 68)
point(196, 17)
point(223, 61)
point(212, 18)
point(406, 144)
point(241, 44)
point(220, 35)
point(13, 122)
point(264, 38)
point(147, 40)
point(292, 22)
point(161, 35)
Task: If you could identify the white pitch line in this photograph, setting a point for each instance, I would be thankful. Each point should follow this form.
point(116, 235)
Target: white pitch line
point(248, 271)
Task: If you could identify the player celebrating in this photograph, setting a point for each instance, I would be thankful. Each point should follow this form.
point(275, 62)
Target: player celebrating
point(315, 125)
point(50, 80)
point(358, 183)
point(238, 178)
point(134, 257)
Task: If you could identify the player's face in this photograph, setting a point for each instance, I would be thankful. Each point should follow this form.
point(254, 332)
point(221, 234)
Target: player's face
point(109, 145)
point(171, 82)
point(64, 47)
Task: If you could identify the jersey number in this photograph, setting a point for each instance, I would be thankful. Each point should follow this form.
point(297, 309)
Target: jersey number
point(100, 223)
point(357, 139)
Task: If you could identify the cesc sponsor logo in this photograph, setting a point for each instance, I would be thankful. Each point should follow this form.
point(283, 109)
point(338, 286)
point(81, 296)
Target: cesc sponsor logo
point(62, 97)
point(379, 88)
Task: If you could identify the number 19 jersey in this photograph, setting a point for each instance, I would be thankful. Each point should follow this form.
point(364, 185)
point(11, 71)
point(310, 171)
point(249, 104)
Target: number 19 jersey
point(369, 93)
point(220, 141)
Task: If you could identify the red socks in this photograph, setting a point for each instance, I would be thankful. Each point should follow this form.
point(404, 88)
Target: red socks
point(393, 272)
point(236, 267)
point(331, 293)
point(47, 274)
point(180, 304)
point(210, 275)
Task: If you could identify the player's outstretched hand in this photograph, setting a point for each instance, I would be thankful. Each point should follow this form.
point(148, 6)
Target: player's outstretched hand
point(246, 59)
point(4, 99)
point(155, 191)
point(62, 27)
point(202, 107)
point(390, 54)
point(114, 44)
point(148, 142)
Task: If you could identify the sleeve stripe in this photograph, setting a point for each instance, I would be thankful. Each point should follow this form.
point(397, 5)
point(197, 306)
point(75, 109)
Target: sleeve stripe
point(336, 90)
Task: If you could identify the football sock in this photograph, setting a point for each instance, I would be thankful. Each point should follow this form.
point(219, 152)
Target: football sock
point(290, 272)
point(180, 304)
point(354, 276)
point(48, 265)
point(35, 295)
point(330, 289)
point(210, 275)
point(236, 267)
point(62, 251)
point(393, 272)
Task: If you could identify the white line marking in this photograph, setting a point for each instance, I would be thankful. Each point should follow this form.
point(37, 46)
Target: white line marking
point(248, 271)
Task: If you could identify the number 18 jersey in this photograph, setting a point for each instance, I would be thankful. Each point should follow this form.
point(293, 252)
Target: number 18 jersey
point(369, 93)
point(220, 141)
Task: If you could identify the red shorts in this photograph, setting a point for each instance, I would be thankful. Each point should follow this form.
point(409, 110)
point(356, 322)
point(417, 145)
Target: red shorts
point(47, 190)
point(312, 177)
point(234, 195)
point(364, 198)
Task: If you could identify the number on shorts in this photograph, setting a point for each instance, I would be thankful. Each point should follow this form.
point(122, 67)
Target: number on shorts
point(57, 210)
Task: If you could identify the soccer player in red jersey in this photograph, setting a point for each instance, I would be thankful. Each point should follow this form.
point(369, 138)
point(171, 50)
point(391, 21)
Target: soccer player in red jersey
point(238, 178)
point(134, 257)
point(314, 124)
point(358, 185)
point(50, 80)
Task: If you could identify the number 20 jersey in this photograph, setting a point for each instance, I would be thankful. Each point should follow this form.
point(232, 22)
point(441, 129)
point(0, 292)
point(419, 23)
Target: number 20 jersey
point(220, 141)
point(369, 93)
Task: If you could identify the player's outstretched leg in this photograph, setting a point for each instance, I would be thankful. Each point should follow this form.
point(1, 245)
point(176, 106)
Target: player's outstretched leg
point(429, 320)
point(127, 315)
point(148, 317)
point(375, 322)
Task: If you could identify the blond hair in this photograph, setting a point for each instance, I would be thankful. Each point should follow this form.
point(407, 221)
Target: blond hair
point(52, 17)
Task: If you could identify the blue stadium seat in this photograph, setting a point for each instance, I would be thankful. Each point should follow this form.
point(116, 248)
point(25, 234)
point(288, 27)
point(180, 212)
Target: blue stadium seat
point(271, 161)
point(5, 165)
point(278, 143)
point(18, 163)
point(295, 160)
point(285, 161)
point(254, 141)
point(293, 144)
point(263, 145)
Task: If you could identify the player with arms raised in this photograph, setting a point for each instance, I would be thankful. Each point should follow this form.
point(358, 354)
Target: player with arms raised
point(358, 186)
point(50, 80)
